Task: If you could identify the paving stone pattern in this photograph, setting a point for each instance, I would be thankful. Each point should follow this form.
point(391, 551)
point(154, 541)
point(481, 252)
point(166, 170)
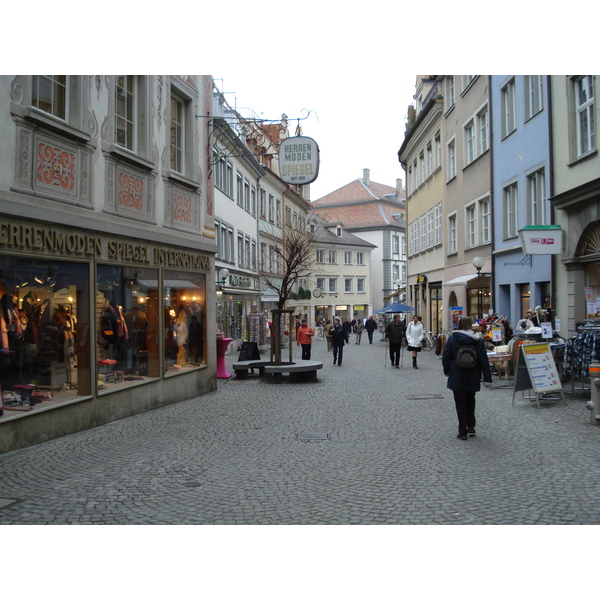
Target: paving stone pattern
point(236, 456)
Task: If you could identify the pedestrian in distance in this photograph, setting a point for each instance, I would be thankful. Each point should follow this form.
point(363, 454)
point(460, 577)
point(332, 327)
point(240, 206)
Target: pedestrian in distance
point(465, 380)
point(415, 332)
point(358, 329)
point(370, 326)
point(327, 334)
point(347, 329)
point(338, 340)
point(304, 336)
point(394, 333)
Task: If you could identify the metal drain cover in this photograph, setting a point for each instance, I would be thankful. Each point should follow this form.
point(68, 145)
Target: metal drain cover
point(305, 437)
point(425, 397)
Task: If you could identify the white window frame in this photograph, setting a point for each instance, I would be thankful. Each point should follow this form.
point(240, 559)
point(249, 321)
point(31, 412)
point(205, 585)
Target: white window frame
point(485, 218)
point(430, 228)
point(320, 258)
point(332, 285)
point(429, 159)
point(410, 239)
point(126, 101)
point(423, 224)
point(469, 133)
point(452, 234)
point(437, 140)
point(483, 128)
point(348, 285)
point(50, 101)
point(177, 125)
point(361, 287)
point(321, 283)
point(510, 210)
point(534, 95)
point(585, 126)
point(451, 153)
point(438, 223)
point(449, 81)
point(360, 258)
point(471, 225)
point(347, 257)
point(395, 244)
point(536, 197)
point(508, 103)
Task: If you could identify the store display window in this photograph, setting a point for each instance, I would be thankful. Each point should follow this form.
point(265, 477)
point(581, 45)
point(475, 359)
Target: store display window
point(127, 308)
point(184, 304)
point(44, 334)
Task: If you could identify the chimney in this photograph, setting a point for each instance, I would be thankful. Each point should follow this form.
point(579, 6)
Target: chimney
point(367, 177)
point(399, 187)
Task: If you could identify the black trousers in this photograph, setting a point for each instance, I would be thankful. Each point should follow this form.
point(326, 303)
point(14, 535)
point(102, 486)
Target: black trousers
point(395, 354)
point(338, 353)
point(465, 410)
point(306, 348)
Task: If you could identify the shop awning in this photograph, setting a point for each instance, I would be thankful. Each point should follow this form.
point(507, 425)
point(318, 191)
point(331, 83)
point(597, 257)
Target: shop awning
point(462, 280)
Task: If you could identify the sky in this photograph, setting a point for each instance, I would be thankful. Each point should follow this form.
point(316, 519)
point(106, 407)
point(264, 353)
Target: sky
point(349, 128)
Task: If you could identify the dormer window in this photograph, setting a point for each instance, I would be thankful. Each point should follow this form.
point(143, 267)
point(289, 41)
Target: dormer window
point(339, 232)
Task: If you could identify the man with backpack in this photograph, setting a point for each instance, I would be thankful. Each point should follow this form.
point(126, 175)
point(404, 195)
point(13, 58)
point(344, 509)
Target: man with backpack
point(464, 360)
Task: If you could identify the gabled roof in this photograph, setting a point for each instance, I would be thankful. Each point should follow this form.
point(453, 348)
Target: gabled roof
point(324, 235)
point(363, 216)
point(357, 192)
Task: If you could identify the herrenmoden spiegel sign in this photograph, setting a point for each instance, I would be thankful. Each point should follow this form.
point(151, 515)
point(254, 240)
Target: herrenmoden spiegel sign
point(298, 160)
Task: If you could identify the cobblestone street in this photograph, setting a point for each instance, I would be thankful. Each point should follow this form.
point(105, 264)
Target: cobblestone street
point(391, 456)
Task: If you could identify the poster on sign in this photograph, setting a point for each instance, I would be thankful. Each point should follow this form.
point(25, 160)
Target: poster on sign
point(546, 330)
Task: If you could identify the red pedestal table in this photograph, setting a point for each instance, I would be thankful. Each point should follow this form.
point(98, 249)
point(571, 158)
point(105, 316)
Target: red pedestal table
point(222, 344)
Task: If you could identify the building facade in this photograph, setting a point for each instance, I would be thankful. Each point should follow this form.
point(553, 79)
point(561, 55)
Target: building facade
point(341, 273)
point(521, 167)
point(421, 158)
point(375, 213)
point(575, 197)
point(467, 197)
point(107, 249)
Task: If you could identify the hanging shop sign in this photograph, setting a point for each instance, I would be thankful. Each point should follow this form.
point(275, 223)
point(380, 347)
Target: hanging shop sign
point(298, 160)
point(541, 239)
point(421, 278)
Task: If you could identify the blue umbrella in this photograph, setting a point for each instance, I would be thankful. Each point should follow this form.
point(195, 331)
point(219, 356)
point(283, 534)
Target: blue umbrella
point(395, 307)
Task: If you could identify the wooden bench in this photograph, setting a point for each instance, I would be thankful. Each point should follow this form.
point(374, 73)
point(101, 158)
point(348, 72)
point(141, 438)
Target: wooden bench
point(303, 370)
point(242, 367)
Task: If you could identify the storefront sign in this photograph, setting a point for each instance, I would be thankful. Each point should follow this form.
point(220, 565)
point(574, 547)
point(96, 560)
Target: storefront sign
point(541, 239)
point(421, 278)
point(236, 281)
point(30, 238)
point(298, 160)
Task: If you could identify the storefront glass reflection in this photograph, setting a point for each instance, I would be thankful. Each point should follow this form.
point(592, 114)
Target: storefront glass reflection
point(184, 304)
point(127, 325)
point(44, 333)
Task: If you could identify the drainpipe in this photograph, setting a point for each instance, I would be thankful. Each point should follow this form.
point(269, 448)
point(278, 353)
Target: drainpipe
point(553, 259)
point(492, 211)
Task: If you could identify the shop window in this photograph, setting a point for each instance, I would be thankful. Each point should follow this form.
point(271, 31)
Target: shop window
point(127, 308)
point(184, 302)
point(44, 333)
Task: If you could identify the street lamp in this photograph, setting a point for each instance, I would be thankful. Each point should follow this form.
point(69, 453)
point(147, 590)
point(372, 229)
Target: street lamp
point(223, 274)
point(478, 263)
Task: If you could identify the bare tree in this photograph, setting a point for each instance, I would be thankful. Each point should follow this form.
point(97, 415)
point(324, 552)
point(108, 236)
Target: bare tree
point(294, 258)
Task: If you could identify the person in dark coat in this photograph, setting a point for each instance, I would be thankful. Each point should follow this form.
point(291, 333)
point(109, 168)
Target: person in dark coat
point(395, 332)
point(338, 339)
point(464, 383)
point(370, 326)
point(347, 329)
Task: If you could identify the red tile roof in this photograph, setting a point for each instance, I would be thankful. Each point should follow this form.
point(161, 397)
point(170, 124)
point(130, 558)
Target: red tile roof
point(356, 205)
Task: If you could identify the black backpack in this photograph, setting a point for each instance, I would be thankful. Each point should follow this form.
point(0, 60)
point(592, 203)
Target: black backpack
point(466, 357)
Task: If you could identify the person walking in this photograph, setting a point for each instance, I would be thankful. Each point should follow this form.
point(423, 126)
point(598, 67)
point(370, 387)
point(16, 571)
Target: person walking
point(370, 326)
point(465, 381)
point(415, 332)
point(338, 339)
point(395, 332)
point(358, 329)
point(347, 329)
point(304, 336)
point(327, 327)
